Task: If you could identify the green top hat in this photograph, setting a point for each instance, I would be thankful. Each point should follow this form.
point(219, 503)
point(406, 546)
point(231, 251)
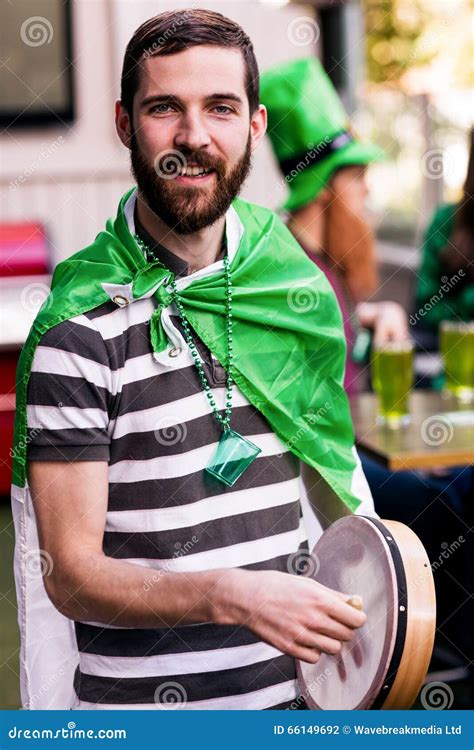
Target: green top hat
point(309, 128)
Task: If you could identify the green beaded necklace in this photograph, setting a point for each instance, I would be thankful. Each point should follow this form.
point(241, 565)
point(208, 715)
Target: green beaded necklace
point(234, 452)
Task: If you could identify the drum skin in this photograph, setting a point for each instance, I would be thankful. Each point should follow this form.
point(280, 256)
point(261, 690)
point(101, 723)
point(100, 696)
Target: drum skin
point(386, 662)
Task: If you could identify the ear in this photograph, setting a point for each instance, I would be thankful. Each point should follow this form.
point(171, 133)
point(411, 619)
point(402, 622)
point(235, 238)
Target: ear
point(258, 125)
point(123, 124)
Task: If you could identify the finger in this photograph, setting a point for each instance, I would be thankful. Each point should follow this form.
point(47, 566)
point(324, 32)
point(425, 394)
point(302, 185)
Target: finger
point(331, 628)
point(321, 643)
point(345, 614)
point(310, 655)
point(335, 605)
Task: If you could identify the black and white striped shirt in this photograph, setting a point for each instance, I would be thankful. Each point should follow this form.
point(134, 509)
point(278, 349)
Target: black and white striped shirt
point(97, 393)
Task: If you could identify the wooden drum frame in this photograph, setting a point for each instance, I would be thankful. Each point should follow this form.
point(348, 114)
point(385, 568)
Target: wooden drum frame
point(384, 666)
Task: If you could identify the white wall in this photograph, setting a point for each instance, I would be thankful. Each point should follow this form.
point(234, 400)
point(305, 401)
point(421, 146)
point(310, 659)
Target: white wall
point(70, 177)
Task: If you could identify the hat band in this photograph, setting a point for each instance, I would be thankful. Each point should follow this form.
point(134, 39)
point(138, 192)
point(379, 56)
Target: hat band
point(316, 153)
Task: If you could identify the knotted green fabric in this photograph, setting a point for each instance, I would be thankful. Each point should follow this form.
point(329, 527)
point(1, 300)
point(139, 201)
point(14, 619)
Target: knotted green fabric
point(289, 348)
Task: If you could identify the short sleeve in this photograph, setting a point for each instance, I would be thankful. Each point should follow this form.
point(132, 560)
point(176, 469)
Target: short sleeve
point(69, 395)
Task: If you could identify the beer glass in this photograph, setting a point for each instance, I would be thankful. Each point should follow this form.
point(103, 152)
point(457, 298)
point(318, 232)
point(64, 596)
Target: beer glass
point(392, 380)
point(457, 350)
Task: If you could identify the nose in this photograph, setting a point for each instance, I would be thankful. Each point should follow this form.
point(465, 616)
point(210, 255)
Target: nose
point(192, 132)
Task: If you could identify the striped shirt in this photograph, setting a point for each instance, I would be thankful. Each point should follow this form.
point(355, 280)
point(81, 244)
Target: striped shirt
point(97, 392)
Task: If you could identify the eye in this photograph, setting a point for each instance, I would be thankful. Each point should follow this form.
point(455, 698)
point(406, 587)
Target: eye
point(161, 108)
point(223, 107)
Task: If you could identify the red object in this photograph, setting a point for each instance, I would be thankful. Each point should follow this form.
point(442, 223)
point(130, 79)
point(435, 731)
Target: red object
point(7, 419)
point(23, 252)
point(8, 372)
point(23, 249)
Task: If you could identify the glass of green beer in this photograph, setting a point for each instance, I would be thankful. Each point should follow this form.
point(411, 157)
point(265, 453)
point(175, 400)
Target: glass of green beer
point(457, 350)
point(392, 380)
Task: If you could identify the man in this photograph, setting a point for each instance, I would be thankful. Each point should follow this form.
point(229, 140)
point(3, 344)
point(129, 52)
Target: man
point(173, 381)
point(324, 167)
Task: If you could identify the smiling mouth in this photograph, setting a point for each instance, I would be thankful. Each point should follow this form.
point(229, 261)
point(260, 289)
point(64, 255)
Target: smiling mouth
point(194, 174)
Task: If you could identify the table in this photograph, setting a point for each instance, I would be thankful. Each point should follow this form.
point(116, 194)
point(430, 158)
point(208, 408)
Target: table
point(440, 434)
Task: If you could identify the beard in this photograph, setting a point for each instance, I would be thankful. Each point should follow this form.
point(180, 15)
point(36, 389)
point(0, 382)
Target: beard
point(188, 209)
point(350, 245)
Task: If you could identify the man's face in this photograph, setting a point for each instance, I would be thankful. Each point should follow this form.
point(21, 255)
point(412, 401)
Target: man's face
point(191, 115)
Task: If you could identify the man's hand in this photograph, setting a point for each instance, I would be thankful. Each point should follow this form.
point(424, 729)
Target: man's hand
point(295, 614)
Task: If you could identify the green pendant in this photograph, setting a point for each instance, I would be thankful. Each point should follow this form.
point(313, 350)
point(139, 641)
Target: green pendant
point(233, 455)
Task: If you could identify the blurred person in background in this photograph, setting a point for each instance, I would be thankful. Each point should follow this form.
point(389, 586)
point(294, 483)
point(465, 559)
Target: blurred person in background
point(445, 291)
point(445, 284)
point(324, 167)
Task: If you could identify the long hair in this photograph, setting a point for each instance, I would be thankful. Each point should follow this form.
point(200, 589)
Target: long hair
point(349, 244)
point(174, 31)
point(459, 253)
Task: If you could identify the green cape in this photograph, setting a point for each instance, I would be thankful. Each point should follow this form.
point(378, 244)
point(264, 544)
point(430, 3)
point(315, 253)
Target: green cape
point(289, 348)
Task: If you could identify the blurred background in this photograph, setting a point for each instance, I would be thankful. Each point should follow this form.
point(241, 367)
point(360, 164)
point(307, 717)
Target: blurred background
point(403, 68)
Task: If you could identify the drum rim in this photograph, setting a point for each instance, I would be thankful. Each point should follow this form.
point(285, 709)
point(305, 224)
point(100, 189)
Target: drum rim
point(421, 625)
point(402, 619)
point(400, 632)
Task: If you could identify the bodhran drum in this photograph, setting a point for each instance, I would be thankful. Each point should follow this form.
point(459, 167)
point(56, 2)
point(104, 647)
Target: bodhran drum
point(383, 667)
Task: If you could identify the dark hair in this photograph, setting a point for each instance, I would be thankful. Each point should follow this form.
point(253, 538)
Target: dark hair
point(459, 254)
point(175, 31)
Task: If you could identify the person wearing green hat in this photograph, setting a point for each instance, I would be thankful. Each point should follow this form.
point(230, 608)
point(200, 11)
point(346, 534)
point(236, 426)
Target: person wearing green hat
point(323, 166)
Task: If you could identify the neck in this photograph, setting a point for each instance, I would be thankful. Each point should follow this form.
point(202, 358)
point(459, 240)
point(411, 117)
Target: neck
point(307, 226)
point(199, 249)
